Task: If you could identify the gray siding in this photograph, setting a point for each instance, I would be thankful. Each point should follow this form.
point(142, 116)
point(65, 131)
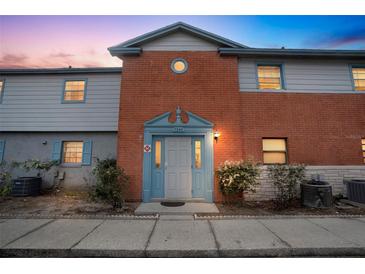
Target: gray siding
point(310, 76)
point(34, 103)
point(20, 147)
point(179, 41)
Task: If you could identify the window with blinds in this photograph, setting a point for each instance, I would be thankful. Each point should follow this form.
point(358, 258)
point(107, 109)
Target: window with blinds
point(274, 151)
point(269, 77)
point(358, 76)
point(74, 91)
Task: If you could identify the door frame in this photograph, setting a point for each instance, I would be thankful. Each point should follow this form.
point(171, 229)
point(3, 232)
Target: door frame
point(158, 173)
point(162, 127)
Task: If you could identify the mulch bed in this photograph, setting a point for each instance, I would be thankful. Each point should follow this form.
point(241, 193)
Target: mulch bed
point(60, 204)
point(78, 203)
point(266, 208)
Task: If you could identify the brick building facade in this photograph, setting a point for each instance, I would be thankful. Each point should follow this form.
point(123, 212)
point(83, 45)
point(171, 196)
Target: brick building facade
point(322, 128)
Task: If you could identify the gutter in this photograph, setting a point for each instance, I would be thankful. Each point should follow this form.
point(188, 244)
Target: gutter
point(119, 51)
point(293, 52)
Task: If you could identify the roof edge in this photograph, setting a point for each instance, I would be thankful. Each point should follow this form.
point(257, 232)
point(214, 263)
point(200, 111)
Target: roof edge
point(115, 51)
point(60, 70)
point(173, 27)
point(291, 52)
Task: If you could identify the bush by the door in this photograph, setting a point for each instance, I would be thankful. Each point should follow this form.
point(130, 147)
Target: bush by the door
point(111, 183)
point(238, 177)
point(286, 179)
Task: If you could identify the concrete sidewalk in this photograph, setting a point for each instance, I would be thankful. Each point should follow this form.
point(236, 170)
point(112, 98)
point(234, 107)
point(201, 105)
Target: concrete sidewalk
point(182, 236)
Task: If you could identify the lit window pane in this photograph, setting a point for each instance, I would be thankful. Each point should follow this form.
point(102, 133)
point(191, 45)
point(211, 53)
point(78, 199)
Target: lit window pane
point(74, 91)
point(363, 148)
point(358, 75)
point(198, 154)
point(274, 144)
point(179, 66)
point(274, 151)
point(158, 154)
point(72, 152)
point(274, 157)
point(363, 141)
point(269, 77)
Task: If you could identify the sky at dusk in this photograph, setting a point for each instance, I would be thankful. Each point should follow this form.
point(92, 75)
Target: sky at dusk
point(82, 41)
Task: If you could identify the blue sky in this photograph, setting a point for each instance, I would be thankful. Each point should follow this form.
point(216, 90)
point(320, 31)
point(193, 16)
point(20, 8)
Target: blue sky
point(58, 41)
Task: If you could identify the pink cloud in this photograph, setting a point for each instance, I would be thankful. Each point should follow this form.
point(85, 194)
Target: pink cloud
point(13, 59)
point(61, 55)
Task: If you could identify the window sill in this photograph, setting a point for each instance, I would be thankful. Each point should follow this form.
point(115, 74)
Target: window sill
point(73, 102)
point(69, 165)
point(275, 164)
point(272, 90)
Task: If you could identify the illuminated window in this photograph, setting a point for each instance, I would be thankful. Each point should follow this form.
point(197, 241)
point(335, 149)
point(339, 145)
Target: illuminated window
point(158, 154)
point(74, 91)
point(1, 89)
point(198, 155)
point(363, 149)
point(72, 152)
point(358, 76)
point(269, 77)
point(274, 151)
point(179, 65)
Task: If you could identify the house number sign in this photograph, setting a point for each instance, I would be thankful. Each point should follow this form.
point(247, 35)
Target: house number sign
point(178, 129)
point(147, 148)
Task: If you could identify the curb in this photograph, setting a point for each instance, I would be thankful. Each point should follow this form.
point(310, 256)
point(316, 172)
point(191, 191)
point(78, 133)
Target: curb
point(83, 216)
point(238, 253)
point(235, 217)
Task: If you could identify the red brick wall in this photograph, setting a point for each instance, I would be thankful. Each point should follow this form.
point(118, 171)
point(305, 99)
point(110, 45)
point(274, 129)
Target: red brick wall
point(149, 88)
point(322, 129)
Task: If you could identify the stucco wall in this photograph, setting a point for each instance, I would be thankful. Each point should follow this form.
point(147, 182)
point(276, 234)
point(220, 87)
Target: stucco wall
point(23, 146)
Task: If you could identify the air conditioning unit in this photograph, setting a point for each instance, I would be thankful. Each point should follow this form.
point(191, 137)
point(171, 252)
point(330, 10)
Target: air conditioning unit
point(356, 190)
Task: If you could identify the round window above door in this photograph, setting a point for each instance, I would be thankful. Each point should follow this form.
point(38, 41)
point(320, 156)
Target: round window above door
point(179, 65)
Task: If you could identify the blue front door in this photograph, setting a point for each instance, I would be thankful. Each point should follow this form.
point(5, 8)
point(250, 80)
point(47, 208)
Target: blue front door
point(162, 164)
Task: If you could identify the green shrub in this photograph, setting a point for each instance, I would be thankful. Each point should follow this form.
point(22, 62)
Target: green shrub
point(34, 164)
point(111, 183)
point(286, 179)
point(238, 177)
point(5, 179)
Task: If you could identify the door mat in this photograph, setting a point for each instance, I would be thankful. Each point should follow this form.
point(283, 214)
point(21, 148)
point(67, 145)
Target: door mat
point(172, 204)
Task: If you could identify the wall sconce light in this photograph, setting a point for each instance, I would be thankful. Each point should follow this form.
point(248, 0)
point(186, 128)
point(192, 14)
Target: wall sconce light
point(216, 135)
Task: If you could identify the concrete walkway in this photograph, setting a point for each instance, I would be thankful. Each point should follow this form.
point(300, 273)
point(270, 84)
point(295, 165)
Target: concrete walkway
point(182, 236)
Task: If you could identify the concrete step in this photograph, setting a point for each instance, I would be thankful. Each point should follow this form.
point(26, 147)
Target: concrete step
point(186, 209)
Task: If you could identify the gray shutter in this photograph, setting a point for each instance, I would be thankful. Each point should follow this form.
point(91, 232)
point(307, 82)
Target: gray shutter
point(87, 153)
